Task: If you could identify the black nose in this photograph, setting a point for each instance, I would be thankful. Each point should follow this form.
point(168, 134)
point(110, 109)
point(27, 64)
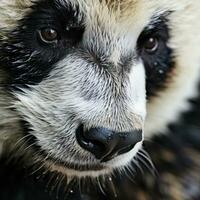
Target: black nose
point(106, 144)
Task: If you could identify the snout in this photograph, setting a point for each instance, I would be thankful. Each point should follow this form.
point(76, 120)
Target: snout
point(106, 144)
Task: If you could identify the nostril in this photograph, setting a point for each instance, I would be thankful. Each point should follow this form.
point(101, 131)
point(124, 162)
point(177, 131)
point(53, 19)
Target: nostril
point(88, 140)
point(125, 149)
point(82, 140)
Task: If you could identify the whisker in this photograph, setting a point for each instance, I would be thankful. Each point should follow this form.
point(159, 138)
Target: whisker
point(29, 146)
point(147, 158)
point(50, 180)
point(20, 140)
point(146, 161)
point(131, 172)
point(55, 185)
point(136, 163)
point(112, 186)
point(146, 165)
point(100, 187)
point(40, 162)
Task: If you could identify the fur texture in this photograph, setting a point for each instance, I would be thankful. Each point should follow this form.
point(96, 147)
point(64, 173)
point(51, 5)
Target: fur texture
point(99, 74)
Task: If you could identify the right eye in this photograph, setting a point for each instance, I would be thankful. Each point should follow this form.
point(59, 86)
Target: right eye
point(48, 35)
point(151, 45)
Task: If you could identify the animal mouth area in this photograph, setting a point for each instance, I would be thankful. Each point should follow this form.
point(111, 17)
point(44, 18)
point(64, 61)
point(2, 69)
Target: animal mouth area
point(65, 166)
point(81, 167)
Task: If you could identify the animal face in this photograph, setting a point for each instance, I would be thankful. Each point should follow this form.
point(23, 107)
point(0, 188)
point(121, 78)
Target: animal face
point(83, 74)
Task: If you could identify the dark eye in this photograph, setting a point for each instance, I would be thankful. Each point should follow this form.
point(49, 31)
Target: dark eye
point(151, 44)
point(48, 35)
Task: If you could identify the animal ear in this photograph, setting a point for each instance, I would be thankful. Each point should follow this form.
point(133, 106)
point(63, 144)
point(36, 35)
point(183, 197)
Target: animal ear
point(12, 10)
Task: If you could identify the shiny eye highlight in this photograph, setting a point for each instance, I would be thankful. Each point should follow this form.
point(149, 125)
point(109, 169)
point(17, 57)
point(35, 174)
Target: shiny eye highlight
point(48, 35)
point(150, 45)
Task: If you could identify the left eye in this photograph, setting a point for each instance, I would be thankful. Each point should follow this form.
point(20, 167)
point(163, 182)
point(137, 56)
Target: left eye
point(48, 35)
point(151, 44)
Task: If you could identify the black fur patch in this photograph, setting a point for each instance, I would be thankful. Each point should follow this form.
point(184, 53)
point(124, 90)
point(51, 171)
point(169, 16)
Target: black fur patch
point(27, 59)
point(158, 65)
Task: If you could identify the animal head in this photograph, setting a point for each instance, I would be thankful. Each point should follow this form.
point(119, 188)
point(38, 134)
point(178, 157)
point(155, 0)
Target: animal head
point(84, 81)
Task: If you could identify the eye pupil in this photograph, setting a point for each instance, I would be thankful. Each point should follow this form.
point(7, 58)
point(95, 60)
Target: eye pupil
point(151, 44)
point(48, 35)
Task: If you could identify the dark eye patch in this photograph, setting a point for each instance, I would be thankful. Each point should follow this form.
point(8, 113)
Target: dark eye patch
point(28, 59)
point(158, 64)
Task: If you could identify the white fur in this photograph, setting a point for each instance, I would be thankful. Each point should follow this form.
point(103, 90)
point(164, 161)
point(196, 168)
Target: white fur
point(171, 102)
point(47, 108)
point(77, 91)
